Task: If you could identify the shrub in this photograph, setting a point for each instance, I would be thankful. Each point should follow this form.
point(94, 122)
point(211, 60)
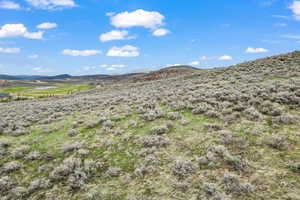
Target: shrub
point(18, 132)
point(181, 186)
point(210, 189)
point(11, 166)
point(287, 119)
point(6, 184)
point(234, 185)
point(269, 108)
point(109, 124)
point(159, 130)
point(182, 168)
point(73, 132)
point(38, 184)
point(71, 146)
point(47, 130)
point(92, 124)
point(18, 193)
point(212, 126)
point(252, 114)
point(113, 171)
point(278, 142)
point(295, 167)
point(173, 116)
point(201, 108)
point(153, 141)
point(83, 152)
point(34, 155)
point(237, 162)
point(132, 123)
point(148, 166)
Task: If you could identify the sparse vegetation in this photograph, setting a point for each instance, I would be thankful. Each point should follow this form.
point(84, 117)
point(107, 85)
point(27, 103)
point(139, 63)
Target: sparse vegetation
point(225, 133)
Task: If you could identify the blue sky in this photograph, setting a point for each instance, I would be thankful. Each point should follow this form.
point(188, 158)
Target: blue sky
point(120, 36)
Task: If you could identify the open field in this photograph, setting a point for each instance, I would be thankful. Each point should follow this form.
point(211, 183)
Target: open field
point(219, 134)
point(46, 91)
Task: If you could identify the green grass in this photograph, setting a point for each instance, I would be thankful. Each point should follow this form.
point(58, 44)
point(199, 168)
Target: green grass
point(60, 90)
point(15, 90)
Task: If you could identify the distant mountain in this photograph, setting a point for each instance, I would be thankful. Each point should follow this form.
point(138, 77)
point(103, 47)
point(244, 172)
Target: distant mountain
point(8, 77)
point(33, 77)
point(107, 77)
point(168, 72)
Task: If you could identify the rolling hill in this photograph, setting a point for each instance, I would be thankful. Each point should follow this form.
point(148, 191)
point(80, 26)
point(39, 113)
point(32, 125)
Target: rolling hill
point(218, 134)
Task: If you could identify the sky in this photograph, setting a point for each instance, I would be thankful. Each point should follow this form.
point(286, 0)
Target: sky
point(81, 37)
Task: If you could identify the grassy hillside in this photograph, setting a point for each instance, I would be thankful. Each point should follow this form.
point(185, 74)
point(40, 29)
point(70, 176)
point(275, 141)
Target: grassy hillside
point(228, 133)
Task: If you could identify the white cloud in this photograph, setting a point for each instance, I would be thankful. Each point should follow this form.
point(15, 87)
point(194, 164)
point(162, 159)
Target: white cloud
point(109, 14)
point(125, 51)
point(295, 7)
point(114, 35)
point(118, 66)
point(256, 50)
point(195, 63)
point(33, 56)
point(291, 36)
point(280, 25)
point(89, 68)
point(71, 52)
point(104, 66)
point(113, 67)
point(41, 70)
point(160, 32)
point(280, 16)
point(137, 18)
point(10, 50)
point(268, 3)
point(52, 4)
point(10, 5)
point(47, 25)
point(225, 57)
point(19, 30)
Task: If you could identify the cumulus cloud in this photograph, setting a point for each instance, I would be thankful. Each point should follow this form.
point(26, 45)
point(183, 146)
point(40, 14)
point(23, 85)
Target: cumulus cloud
point(10, 50)
point(256, 50)
point(114, 35)
point(52, 4)
point(47, 25)
point(125, 51)
point(10, 5)
point(225, 57)
point(195, 63)
point(19, 30)
point(295, 7)
point(71, 52)
point(139, 17)
point(160, 32)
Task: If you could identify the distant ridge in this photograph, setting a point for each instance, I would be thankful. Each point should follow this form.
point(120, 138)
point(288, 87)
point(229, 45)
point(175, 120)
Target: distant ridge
point(33, 77)
point(167, 72)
